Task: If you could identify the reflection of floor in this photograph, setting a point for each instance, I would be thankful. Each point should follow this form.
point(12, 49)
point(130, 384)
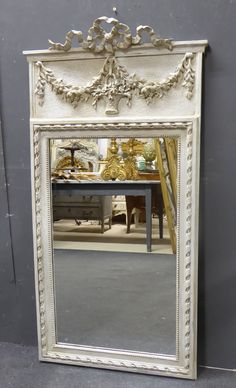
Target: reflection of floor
point(67, 235)
point(118, 300)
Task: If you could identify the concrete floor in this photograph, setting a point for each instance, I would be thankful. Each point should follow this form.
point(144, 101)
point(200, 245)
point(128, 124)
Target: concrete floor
point(118, 300)
point(20, 368)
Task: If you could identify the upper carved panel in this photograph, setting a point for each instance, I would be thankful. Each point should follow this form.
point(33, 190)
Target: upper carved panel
point(114, 83)
point(119, 37)
point(160, 69)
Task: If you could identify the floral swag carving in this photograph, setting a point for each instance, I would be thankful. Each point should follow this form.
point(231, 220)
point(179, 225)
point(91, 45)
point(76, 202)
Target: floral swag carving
point(114, 83)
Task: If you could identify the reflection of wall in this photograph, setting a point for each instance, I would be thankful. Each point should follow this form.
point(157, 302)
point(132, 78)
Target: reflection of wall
point(54, 144)
point(102, 147)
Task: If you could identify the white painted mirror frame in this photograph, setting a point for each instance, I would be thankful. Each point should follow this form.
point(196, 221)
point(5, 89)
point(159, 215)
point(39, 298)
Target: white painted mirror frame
point(152, 122)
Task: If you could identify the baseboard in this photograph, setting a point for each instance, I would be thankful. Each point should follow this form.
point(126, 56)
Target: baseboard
point(215, 367)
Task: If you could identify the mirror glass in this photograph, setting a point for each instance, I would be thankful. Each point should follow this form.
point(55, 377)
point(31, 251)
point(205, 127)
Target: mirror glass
point(114, 211)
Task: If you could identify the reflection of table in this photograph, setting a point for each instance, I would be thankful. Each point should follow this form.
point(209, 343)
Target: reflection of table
point(138, 203)
point(97, 188)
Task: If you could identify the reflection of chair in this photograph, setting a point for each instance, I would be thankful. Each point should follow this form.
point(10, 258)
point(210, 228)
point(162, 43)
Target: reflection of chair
point(138, 202)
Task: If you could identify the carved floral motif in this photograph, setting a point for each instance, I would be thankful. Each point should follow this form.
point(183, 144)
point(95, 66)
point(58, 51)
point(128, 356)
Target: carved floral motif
point(114, 82)
point(119, 37)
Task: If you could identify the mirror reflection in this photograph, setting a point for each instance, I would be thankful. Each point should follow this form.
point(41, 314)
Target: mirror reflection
point(114, 211)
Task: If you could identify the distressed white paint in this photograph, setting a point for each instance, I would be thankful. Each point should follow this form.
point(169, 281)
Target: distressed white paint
point(174, 115)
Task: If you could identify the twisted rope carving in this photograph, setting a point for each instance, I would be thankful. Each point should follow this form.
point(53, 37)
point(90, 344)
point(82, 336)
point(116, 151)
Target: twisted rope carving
point(40, 267)
point(111, 126)
point(187, 261)
point(105, 362)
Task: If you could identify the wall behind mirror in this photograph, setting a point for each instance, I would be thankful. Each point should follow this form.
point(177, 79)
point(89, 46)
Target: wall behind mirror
point(115, 259)
point(201, 19)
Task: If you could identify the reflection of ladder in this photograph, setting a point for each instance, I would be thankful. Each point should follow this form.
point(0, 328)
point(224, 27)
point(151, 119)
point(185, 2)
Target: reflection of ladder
point(171, 151)
point(166, 161)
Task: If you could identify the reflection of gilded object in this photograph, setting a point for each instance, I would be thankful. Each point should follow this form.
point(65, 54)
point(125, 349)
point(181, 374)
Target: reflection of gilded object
point(114, 169)
point(130, 162)
point(65, 175)
point(74, 146)
point(130, 145)
point(130, 168)
point(137, 146)
point(149, 152)
point(59, 174)
point(67, 163)
point(114, 146)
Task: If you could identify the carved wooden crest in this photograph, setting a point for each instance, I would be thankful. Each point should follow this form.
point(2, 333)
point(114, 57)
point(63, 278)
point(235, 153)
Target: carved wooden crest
point(120, 37)
point(114, 82)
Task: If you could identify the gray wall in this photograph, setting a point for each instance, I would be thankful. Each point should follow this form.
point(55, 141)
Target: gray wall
point(27, 24)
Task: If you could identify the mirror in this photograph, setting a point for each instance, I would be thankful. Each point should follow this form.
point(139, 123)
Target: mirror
point(115, 145)
point(114, 242)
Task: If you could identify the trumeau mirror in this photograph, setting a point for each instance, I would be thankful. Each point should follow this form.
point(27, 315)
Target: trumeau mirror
point(115, 127)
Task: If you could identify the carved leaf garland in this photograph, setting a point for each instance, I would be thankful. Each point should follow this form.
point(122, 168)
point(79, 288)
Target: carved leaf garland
point(114, 82)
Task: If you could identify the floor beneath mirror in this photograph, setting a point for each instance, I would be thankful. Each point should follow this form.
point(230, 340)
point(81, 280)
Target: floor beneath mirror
point(20, 368)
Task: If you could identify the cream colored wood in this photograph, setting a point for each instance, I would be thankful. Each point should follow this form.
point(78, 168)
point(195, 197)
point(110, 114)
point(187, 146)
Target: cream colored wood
point(172, 115)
